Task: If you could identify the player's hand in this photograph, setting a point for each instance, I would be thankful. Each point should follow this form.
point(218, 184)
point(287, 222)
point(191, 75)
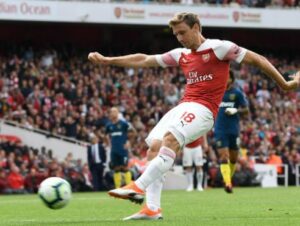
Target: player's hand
point(97, 58)
point(231, 111)
point(296, 78)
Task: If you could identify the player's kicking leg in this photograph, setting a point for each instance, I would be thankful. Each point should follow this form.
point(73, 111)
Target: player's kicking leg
point(225, 169)
point(233, 157)
point(131, 192)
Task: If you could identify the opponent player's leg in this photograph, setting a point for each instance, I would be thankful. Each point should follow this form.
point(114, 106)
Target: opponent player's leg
point(187, 164)
point(117, 177)
point(115, 166)
point(126, 172)
point(233, 157)
point(225, 168)
point(234, 146)
point(222, 143)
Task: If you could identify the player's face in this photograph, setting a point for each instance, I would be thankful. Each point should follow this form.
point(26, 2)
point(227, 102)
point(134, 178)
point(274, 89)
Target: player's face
point(114, 113)
point(185, 35)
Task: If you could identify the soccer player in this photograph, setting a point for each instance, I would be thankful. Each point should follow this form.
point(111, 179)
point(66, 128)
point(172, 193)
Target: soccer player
point(117, 131)
point(205, 64)
point(227, 130)
point(193, 155)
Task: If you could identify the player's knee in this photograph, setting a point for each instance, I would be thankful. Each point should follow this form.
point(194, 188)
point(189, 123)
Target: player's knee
point(171, 142)
point(199, 168)
point(188, 169)
point(233, 159)
point(224, 158)
point(116, 168)
point(223, 155)
point(153, 150)
point(124, 170)
point(151, 154)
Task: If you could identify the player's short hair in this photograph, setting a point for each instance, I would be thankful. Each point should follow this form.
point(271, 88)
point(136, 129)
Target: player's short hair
point(189, 18)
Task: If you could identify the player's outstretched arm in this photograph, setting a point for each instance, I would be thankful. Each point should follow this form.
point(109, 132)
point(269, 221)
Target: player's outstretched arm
point(132, 60)
point(265, 65)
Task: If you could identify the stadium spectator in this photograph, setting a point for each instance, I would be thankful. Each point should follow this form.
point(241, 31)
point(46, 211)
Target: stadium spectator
point(276, 160)
point(15, 181)
point(3, 160)
point(33, 180)
point(96, 155)
point(244, 175)
point(3, 181)
point(86, 179)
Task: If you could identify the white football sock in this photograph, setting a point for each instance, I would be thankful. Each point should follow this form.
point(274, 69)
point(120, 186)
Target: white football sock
point(200, 178)
point(153, 194)
point(157, 167)
point(189, 177)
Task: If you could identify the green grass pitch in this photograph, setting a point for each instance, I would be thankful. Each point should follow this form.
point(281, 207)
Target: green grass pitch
point(247, 206)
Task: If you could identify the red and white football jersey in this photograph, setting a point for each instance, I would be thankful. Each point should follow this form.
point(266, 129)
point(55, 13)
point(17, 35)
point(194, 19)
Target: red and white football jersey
point(206, 70)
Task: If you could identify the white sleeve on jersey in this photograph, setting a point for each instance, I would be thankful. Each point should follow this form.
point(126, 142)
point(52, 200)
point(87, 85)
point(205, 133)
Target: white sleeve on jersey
point(169, 59)
point(226, 50)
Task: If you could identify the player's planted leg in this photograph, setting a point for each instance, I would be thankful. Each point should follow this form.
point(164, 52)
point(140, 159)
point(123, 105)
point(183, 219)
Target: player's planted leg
point(153, 192)
point(145, 214)
point(151, 210)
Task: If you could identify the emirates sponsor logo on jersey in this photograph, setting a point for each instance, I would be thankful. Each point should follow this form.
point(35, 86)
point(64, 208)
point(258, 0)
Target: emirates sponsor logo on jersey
point(195, 77)
point(206, 57)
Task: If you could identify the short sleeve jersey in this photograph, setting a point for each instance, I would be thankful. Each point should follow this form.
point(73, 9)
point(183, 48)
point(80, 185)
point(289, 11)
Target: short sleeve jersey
point(206, 70)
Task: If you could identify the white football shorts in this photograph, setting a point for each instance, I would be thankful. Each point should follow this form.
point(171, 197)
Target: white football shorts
point(192, 155)
point(187, 122)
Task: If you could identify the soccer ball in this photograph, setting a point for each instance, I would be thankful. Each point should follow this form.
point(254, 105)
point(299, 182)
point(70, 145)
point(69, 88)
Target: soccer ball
point(55, 192)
